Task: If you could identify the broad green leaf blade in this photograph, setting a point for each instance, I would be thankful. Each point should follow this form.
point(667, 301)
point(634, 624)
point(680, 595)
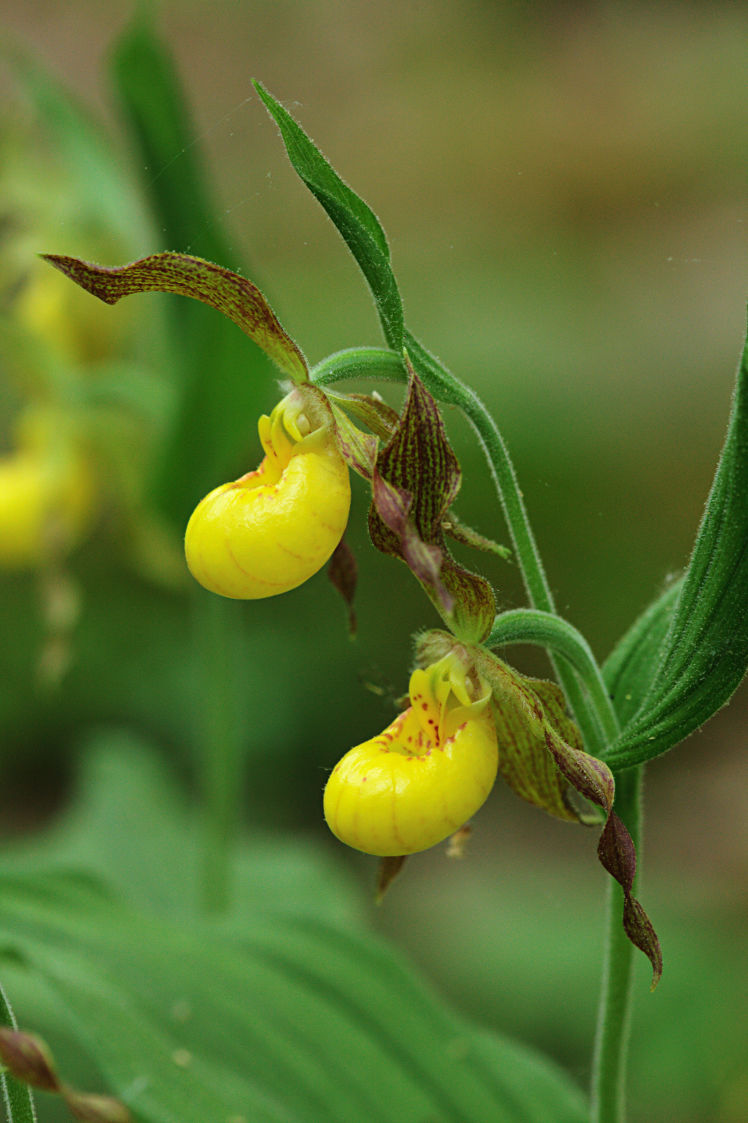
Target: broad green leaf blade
point(353, 218)
point(16, 1096)
point(629, 668)
point(705, 652)
point(218, 373)
point(180, 273)
point(280, 1018)
point(123, 782)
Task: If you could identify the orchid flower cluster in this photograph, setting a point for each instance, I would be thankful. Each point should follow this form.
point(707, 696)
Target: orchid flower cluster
point(469, 716)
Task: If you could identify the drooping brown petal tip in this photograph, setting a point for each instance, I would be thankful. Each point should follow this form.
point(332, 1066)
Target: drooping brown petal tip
point(388, 870)
point(343, 573)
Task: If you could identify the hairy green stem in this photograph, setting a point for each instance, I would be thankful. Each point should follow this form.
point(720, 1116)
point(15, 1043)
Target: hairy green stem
point(614, 1011)
point(379, 363)
point(16, 1095)
point(219, 737)
point(531, 625)
point(571, 657)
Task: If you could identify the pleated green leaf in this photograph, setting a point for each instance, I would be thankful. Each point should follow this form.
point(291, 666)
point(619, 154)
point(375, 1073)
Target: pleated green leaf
point(286, 1011)
point(354, 219)
point(628, 669)
point(292, 1019)
point(704, 653)
point(219, 375)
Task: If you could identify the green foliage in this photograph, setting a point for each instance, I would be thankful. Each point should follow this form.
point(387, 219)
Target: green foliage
point(16, 1095)
point(277, 1012)
point(704, 653)
point(285, 1008)
point(210, 415)
point(355, 220)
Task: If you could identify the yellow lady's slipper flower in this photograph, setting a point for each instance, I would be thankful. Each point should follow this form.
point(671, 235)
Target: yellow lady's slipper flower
point(47, 496)
point(273, 528)
point(425, 775)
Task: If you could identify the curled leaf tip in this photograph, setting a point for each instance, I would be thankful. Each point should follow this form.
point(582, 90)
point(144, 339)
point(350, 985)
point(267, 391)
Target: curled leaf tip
point(185, 275)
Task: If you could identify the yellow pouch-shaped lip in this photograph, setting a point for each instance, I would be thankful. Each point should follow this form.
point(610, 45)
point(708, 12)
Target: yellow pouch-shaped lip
point(272, 529)
point(421, 779)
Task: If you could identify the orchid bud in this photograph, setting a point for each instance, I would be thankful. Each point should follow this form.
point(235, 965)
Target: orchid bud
point(422, 778)
point(272, 529)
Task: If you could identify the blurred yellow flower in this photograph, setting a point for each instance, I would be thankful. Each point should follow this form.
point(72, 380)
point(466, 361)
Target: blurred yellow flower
point(47, 495)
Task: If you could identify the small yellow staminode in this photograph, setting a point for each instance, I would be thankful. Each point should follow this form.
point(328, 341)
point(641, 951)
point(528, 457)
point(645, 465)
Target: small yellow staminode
point(424, 776)
point(273, 528)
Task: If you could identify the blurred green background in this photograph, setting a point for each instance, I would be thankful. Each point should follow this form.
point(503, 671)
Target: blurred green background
point(563, 191)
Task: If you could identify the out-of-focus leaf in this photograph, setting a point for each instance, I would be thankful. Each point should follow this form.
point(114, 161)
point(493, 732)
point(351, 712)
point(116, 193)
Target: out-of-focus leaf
point(353, 218)
point(705, 651)
point(294, 1019)
point(101, 191)
point(219, 372)
point(122, 785)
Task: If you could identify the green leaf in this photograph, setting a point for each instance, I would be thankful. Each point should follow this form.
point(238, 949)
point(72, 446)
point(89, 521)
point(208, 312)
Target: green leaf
point(289, 1020)
point(122, 784)
point(218, 374)
point(101, 195)
point(628, 669)
point(705, 651)
point(152, 101)
point(284, 1011)
point(353, 218)
point(16, 1095)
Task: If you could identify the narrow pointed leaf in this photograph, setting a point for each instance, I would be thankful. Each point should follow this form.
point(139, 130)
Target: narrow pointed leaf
point(150, 96)
point(353, 218)
point(227, 292)
point(705, 651)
